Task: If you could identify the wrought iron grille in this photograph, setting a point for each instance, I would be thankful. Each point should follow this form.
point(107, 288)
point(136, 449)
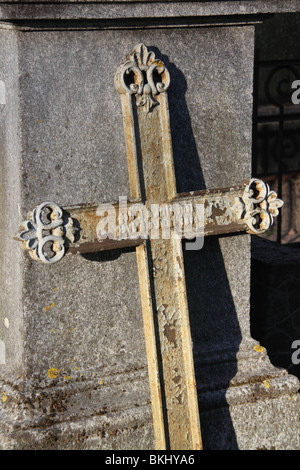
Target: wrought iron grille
point(276, 140)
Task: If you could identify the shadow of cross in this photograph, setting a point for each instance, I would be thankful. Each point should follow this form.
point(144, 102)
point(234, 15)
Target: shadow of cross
point(155, 220)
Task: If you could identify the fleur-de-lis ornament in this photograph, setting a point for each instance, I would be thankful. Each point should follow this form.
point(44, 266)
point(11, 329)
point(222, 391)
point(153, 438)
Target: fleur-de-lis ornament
point(46, 225)
point(262, 205)
point(144, 76)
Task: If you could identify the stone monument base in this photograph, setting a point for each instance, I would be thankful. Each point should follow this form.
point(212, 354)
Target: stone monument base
point(102, 409)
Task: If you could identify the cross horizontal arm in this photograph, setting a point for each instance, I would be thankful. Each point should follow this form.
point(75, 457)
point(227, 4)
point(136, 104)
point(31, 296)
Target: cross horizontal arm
point(248, 207)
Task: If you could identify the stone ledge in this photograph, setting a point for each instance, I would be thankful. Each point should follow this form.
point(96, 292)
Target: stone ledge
point(75, 10)
point(32, 404)
point(80, 413)
point(112, 431)
point(264, 389)
point(233, 377)
point(208, 7)
point(262, 425)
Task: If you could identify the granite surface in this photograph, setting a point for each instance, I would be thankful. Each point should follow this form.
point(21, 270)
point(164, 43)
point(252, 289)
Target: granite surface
point(75, 356)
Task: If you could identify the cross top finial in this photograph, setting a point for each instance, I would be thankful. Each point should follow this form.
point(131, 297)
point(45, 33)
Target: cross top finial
point(143, 75)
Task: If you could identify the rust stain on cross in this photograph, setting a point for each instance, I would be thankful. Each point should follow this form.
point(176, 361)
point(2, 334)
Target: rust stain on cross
point(142, 81)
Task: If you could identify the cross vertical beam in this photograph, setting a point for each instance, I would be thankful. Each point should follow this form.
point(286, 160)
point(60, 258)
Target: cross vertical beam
point(148, 138)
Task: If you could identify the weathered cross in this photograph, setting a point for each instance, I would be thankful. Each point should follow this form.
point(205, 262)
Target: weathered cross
point(142, 81)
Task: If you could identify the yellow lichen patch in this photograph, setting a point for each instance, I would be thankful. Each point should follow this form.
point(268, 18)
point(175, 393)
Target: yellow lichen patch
point(266, 383)
point(50, 306)
point(101, 381)
point(4, 397)
point(52, 373)
point(67, 377)
point(258, 348)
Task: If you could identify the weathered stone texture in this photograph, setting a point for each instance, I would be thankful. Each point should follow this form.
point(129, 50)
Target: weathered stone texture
point(76, 369)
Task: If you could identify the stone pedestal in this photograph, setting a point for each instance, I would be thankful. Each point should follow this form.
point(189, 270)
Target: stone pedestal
point(73, 361)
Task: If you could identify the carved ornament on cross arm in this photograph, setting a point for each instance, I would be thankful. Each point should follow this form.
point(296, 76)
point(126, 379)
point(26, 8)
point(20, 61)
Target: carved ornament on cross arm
point(261, 205)
point(46, 225)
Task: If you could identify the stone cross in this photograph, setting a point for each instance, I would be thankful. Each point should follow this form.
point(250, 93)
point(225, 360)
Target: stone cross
point(155, 221)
